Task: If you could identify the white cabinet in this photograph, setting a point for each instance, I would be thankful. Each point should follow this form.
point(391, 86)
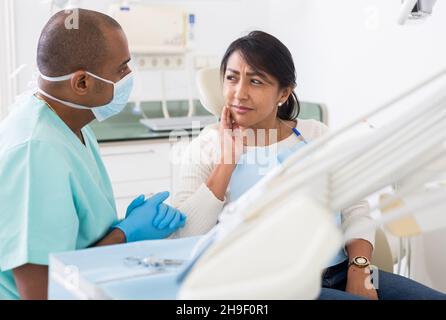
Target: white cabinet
point(136, 160)
point(137, 167)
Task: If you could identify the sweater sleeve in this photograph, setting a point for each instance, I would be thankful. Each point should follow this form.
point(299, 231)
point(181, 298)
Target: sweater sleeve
point(192, 196)
point(356, 219)
point(311, 129)
point(356, 222)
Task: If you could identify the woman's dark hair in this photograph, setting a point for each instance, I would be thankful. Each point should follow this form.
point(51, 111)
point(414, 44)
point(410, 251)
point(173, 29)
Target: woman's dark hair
point(266, 53)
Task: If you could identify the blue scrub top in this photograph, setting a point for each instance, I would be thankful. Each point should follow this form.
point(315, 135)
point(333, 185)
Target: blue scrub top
point(55, 193)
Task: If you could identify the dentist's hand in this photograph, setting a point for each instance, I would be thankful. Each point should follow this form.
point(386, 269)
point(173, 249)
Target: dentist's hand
point(135, 203)
point(150, 219)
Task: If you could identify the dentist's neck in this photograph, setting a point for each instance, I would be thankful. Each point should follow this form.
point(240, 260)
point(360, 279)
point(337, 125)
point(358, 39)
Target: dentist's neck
point(75, 119)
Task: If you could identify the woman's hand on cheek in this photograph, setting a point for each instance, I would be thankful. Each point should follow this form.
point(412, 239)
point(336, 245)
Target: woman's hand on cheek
point(231, 140)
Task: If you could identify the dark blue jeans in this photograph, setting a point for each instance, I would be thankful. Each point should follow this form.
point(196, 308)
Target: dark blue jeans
point(389, 286)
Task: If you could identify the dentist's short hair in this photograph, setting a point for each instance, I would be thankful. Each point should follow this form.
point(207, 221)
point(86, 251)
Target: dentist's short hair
point(66, 46)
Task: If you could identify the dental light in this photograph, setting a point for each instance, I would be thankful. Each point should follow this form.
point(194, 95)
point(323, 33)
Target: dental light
point(415, 10)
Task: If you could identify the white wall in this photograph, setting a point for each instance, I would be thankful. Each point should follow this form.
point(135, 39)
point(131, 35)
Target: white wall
point(218, 22)
point(7, 57)
point(352, 55)
point(349, 54)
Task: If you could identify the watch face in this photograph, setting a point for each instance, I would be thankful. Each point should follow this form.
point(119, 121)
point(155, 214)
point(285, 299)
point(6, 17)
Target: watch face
point(361, 260)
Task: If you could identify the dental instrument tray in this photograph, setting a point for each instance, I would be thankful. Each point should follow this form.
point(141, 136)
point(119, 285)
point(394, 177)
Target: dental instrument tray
point(178, 123)
point(137, 270)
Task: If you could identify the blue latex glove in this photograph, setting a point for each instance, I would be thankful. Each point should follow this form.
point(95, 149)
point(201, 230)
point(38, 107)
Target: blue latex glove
point(139, 223)
point(166, 215)
point(135, 203)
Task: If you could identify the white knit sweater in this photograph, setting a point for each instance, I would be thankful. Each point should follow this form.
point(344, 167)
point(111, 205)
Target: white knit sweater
point(202, 208)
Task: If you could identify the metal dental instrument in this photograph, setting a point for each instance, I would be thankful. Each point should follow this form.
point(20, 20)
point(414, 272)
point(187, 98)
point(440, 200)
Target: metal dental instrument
point(153, 262)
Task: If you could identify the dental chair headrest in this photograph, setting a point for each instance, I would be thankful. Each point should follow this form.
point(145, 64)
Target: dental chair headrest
point(210, 90)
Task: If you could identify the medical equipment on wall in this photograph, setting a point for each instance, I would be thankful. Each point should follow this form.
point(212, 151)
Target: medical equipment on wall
point(281, 231)
point(143, 23)
point(415, 10)
point(8, 63)
point(57, 5)
point(159, 39)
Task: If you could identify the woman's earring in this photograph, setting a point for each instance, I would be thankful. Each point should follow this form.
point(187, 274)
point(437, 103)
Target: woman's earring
point(280, 104)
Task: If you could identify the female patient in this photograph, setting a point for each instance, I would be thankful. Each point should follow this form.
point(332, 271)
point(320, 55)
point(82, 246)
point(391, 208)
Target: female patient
point(257, 130)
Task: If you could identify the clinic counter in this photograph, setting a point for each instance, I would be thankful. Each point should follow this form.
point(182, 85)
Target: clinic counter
point(126, 126)
point(127, 131)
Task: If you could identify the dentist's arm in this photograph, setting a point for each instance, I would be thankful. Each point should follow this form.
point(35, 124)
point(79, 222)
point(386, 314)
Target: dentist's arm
point(145, 219)
point(164, 221)
point(31, 281)
point(116, 236)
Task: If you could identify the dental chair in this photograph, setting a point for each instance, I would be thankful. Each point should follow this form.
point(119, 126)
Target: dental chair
point(276, 252)
point(210, 90)
point(267, 256)
point(383, 256)
point(276, 249)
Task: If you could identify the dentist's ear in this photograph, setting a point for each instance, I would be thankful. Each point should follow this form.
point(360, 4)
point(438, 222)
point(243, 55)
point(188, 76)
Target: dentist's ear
point(79, 83)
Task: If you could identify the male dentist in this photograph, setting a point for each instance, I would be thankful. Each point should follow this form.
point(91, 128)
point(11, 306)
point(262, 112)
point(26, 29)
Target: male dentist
point(55, 194)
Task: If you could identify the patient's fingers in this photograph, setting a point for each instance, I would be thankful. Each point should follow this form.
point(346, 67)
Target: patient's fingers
point(226, 118)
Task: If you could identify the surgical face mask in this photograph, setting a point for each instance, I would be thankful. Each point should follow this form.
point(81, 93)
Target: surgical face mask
point(121, 94)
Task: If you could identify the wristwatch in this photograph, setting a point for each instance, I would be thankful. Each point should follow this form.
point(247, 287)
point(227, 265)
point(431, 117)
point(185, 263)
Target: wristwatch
point(359, 261)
